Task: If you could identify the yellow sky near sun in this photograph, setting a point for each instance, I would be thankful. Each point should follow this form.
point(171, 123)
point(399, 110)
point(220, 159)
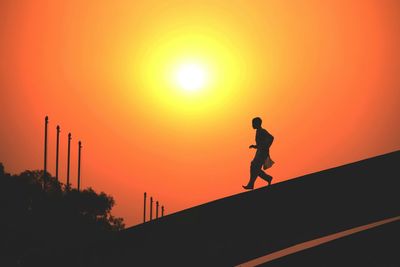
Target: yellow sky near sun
point(184, 41)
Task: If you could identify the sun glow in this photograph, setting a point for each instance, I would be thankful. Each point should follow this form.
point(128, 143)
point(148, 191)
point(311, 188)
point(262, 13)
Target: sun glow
point(188, 71)
point(191, 77)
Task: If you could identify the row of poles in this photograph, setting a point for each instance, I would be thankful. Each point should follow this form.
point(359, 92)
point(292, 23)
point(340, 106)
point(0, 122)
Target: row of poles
point(46, 122)
point(151, 208)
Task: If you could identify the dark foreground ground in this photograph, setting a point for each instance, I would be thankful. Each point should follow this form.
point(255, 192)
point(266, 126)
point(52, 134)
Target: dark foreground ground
point(376, 247)
point(243, 227)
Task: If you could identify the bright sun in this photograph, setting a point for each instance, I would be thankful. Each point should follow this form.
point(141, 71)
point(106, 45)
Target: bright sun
point(191, 77)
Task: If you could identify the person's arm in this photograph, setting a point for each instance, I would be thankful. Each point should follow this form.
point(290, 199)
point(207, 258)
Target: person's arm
point(257, 142)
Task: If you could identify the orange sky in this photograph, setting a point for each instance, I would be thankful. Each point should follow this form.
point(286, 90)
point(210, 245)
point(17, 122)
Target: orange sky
point(324, 76)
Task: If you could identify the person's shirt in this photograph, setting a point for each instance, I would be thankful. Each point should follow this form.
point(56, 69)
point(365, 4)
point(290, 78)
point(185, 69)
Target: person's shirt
point(263, 139)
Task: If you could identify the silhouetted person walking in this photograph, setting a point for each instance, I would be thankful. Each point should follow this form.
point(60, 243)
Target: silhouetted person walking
point(263, 142)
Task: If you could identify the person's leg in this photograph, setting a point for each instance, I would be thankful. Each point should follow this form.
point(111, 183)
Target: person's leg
point(255, 168)
point(265, 176)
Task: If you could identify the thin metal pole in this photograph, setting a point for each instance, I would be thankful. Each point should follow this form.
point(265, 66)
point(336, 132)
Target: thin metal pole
point(79, 164)
point(46, 122)
point(157, 210)
point(144, 208)
point(151, 208)
point(57, 149)
point(162, 211)
point(68, 159)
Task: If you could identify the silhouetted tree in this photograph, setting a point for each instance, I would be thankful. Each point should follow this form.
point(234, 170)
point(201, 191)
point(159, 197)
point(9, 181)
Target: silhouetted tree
point(38, 215)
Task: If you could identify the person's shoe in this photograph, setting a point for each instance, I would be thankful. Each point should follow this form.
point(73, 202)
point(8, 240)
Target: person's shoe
point(247, 187)
point(269, 180)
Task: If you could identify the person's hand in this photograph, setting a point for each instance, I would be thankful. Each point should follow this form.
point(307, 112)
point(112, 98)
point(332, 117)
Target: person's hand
point(252, 146)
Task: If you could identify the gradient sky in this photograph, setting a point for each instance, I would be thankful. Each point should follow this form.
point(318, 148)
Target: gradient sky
point(323, 75)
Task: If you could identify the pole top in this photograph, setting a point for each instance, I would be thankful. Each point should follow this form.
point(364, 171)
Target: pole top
point(80, 144)
point(69, 135)
point(46, 118)
point(145, 193)
point(58, 127)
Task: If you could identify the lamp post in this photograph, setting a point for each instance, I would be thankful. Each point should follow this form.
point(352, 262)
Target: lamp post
point(144, 208)
point(79, 164)
point(68, 159)
point(57, 149)
point(151, 208)
point(156, 209)
point(46, 122)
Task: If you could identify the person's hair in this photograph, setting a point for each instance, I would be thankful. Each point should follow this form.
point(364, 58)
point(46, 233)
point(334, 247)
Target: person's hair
point(257, 121)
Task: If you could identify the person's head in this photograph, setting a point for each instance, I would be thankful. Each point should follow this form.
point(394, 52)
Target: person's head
point(256, 122)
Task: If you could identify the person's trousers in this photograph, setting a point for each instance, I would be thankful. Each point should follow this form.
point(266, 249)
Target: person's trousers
point(256, 165)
